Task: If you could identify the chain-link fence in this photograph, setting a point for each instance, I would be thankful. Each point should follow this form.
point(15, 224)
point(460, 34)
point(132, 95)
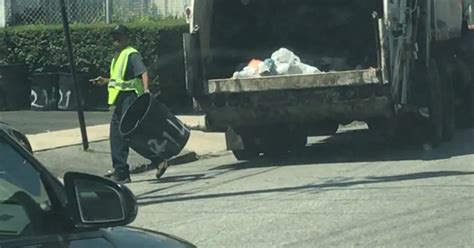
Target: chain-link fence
point(21, 12)
point(173, 8)
point(124, 10)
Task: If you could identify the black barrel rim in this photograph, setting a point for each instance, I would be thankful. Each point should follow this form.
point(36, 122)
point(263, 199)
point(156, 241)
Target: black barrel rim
point(145, 97)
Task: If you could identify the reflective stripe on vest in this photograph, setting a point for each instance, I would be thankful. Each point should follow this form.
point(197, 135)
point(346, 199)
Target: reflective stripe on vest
point(117, 82)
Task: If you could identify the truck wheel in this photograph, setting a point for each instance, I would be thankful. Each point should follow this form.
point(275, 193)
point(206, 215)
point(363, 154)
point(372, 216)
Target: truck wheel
point(384, 127)
point(246, 154)
point(251, 149)
point(435, 101)
point(279, 145)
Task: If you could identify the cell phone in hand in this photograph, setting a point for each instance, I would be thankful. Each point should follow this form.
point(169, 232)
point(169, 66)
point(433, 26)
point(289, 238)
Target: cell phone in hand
point(95, 80)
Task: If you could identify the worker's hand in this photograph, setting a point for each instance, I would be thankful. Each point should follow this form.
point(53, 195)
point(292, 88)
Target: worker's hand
point(147, 91)
point(100, 81)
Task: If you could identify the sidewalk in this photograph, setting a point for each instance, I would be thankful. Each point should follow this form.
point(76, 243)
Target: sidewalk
point(61, 151)
point(200, 143)
point(71, 137)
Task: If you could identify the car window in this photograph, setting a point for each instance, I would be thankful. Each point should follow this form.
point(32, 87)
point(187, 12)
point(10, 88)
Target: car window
point(23, 197)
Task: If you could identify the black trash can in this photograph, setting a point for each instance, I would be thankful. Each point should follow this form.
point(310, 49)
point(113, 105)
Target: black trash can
point(14, 87)
point(152, 130)
point(44, 91)
point(93, 97)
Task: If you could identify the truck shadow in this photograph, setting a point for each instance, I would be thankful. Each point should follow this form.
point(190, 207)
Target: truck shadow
point(322, 187)
point(360, 146)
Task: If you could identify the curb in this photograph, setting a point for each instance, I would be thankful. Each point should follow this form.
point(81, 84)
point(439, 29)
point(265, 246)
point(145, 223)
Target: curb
point(196, 127)
point(66, 146)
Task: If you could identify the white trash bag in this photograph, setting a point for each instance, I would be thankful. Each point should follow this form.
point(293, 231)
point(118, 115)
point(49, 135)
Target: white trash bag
point(307, 69)
point(288, 63)
point(247, 72)
point(284, 60)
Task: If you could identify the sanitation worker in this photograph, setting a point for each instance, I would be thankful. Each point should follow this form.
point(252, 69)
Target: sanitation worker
point(128, 80)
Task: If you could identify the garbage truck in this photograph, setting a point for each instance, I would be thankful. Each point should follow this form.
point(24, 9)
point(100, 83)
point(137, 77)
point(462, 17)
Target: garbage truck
point(401, 66)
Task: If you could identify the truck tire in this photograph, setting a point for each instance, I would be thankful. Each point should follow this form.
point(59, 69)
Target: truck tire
point(435, 103)
point(251, 150)
point(384, 127)
point(279, 145)
point(246, 154)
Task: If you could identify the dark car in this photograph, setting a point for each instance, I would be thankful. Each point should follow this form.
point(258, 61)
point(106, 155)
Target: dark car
point(37, 210)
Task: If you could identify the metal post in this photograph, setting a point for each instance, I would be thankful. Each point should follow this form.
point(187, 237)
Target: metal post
point(108, 11)
point(78, 95)
point(3, 13)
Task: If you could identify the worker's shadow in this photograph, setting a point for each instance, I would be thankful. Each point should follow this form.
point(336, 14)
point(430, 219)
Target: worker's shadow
point(361, 146)
point(176, 179)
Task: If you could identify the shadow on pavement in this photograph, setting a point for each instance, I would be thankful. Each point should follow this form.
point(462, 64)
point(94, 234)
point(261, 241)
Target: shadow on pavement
point(182, 178)
point(176, 180)
point(360, 146)
point(143, 201)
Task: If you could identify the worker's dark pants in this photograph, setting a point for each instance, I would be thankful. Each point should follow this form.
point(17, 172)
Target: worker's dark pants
point(118, 145)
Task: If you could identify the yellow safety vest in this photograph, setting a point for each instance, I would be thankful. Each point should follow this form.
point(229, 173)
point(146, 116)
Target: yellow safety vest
point(117, 74)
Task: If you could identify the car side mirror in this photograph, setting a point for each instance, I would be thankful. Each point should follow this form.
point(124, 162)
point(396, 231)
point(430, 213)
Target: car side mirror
point(98, 202)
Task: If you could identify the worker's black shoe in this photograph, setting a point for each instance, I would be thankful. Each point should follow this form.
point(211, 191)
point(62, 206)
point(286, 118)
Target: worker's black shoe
point(120, 178)
point(161, 169)
point(109, 174)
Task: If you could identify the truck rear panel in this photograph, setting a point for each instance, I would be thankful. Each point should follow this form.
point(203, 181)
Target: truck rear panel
point(308, 107)
point(294, 82)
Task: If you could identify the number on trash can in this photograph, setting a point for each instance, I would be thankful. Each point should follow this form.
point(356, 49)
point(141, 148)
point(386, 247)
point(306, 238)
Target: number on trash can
point(156, 147)
point(35, 99)
point(167, 136)
point(61, 98)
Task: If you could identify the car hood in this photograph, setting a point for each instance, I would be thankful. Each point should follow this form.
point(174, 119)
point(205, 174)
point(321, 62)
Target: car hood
point(127, 237)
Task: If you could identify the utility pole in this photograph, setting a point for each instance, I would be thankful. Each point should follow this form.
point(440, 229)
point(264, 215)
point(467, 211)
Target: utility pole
point(77, 89)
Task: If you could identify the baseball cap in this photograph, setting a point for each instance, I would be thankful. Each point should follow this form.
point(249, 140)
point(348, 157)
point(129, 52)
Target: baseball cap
point(120, 30)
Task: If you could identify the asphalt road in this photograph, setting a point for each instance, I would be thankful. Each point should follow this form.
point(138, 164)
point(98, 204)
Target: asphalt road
point(347, 191)
point(34, 122)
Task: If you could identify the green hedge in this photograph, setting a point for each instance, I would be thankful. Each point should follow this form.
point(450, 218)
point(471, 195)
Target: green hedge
point(41, 48)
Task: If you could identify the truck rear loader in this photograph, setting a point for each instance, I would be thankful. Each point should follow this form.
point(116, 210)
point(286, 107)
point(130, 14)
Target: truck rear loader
point(401, 66)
